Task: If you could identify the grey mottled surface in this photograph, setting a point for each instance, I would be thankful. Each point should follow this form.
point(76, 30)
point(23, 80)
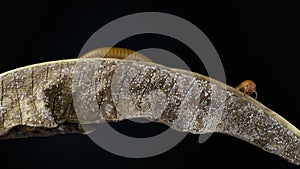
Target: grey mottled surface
point(58, 97)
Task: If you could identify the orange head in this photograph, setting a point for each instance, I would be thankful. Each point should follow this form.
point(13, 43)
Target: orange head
point(248, 87)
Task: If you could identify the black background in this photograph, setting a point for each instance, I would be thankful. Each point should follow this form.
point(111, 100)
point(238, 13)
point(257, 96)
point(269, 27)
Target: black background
point(254, 41)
